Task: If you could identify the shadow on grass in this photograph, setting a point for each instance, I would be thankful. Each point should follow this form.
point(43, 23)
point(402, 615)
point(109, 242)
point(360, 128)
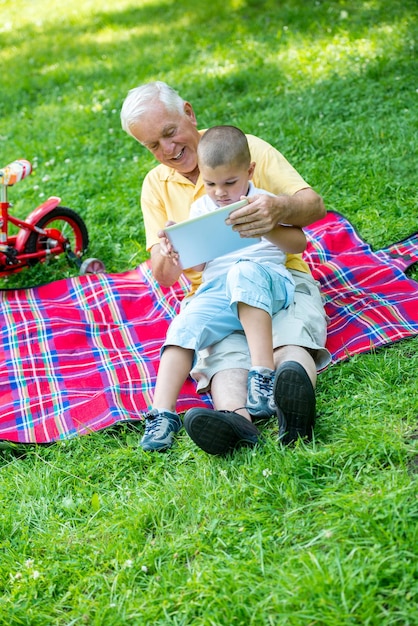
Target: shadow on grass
point(125, 47)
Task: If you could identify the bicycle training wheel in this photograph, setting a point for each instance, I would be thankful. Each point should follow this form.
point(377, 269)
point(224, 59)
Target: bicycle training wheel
point(65, 221)
point(92, 266)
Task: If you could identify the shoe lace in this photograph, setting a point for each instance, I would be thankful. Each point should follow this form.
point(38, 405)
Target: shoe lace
point(152, 423)
point(261, 385)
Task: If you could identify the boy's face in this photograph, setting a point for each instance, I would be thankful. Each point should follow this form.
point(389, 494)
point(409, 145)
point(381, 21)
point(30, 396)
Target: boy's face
point(226, 184)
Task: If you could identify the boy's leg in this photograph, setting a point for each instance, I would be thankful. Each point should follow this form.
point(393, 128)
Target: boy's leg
point(258, 331)
point(174, 368)
point(162, 422)
point(256, 292)
point(205, 320)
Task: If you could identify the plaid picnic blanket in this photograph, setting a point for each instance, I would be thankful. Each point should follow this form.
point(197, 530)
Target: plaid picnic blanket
point(81, 354)
point(369, 300)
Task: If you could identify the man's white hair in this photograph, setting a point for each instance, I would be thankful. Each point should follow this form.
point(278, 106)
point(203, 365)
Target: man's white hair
point(140, 99)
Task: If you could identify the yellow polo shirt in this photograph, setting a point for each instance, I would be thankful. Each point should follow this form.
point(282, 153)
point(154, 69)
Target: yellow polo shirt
point(167, 195)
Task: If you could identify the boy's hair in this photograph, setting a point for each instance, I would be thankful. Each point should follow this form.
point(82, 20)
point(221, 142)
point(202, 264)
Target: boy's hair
point(138, 101)
point(223, 144)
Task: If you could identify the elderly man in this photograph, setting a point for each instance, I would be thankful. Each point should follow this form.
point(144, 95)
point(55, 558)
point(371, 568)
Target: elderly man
point(165, 124)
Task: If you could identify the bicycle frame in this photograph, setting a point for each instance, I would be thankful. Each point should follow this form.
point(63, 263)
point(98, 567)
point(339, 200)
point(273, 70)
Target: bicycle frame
point(42, 234)
point(26, 226)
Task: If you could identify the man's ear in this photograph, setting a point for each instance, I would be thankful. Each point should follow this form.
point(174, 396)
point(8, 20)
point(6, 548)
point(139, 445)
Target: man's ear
point(251, 170)
point(188, 110)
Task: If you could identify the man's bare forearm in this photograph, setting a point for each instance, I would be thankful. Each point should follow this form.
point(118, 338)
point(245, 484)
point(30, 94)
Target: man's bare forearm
point(302, 209)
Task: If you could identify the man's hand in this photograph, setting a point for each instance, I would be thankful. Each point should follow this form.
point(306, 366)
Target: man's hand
point(264, 212)
point(257, 218)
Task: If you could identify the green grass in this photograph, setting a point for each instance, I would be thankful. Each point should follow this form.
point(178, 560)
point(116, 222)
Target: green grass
point(94, 530)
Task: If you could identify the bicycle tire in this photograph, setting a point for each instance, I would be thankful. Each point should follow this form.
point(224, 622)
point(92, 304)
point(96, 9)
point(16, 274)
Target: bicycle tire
point(79, 240)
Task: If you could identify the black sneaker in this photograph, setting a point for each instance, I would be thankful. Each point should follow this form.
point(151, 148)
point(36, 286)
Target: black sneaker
point(294, 396)
point(219, 432)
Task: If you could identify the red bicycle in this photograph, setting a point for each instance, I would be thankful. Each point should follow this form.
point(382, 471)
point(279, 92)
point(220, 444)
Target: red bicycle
point(50, 230)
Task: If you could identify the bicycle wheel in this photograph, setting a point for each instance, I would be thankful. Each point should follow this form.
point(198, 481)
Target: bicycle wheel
point(92, 266)
point(64, 221)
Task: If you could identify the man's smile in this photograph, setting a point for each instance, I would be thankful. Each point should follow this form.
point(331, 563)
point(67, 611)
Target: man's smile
point(178, 156)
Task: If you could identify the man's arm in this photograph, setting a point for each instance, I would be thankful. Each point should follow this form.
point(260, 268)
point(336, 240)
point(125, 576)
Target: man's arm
point(264, 212)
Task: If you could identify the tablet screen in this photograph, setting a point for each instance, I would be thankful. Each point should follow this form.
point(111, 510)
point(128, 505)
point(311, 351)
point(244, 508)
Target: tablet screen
point(207, 237)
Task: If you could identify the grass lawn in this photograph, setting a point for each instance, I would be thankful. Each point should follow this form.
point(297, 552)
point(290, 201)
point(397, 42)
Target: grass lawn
point(94, 530)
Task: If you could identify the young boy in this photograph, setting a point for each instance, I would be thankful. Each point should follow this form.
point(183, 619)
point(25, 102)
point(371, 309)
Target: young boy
point(240, 291)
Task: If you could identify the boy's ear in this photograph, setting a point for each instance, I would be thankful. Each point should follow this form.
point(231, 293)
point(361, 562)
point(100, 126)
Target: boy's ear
point(251, 170)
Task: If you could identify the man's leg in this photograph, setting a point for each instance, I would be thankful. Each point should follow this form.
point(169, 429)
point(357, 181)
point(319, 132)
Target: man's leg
point(294, 393)
point(229, 426)
point(224, 429)
point(300, 333)
point(300, 355)
point(229, 387)
point(229, 391)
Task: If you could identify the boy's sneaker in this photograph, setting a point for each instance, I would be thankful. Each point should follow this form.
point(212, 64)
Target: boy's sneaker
point(260, 401)
point(160, 427)
point(219, 432)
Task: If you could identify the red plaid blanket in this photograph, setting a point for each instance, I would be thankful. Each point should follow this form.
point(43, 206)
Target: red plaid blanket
point(81, 354)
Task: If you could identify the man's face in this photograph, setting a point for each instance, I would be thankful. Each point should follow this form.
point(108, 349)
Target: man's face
point(226, 184)
point(172, 137)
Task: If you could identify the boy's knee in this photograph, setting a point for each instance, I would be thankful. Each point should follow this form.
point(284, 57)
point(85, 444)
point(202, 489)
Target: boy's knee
point(243, 270)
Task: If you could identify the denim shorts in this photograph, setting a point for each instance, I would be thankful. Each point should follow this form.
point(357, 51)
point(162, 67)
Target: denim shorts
point(303, 323)
point(211, 314)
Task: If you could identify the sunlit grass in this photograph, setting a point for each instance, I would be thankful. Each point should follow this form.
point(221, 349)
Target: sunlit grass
point(95, 531)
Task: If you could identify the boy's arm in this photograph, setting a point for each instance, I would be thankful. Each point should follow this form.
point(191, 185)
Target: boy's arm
point(290, 239)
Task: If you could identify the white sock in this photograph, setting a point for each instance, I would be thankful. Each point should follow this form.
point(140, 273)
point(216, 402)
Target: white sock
point(265, 371)
point(164, 410)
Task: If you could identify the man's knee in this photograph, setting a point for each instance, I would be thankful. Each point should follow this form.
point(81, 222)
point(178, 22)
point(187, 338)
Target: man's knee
point(304, 356)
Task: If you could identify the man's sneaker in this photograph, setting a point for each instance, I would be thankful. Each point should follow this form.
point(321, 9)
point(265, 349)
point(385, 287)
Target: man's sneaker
point(260, 401)
point(219, 432)
point(294, 396)
point(160, 427)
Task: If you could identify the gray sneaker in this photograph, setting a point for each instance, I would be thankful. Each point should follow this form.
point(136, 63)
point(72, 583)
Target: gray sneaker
point(160, 427)
point(260, 401)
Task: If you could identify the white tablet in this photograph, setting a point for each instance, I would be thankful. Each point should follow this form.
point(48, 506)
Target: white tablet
point(207, 237)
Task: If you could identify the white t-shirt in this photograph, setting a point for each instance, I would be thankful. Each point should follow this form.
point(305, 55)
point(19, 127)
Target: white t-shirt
point(263, 251)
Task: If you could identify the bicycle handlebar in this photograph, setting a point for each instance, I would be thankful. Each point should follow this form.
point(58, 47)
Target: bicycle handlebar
point(14, 172)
